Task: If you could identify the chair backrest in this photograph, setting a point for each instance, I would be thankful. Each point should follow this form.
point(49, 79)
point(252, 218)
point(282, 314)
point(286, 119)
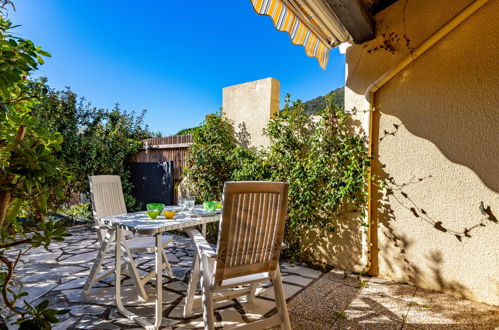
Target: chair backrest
point(107, 197)
point(252, 228)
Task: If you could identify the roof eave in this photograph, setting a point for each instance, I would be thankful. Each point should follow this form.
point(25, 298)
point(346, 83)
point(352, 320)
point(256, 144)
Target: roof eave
point(355, 17)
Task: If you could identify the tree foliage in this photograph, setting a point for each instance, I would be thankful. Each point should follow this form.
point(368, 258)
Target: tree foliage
point(96, 141)
point(30, 173)
point(186, 131)
point(322, 159)
point(208, 160)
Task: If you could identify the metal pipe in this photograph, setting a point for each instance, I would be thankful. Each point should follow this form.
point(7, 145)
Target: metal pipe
point(382, 80)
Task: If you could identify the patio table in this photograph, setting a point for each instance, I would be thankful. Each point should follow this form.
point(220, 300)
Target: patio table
point(139, 223)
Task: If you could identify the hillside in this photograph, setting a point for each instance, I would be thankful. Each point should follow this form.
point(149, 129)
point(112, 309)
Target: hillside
point(319, 103)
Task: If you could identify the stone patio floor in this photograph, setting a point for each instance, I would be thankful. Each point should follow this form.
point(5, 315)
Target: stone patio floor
point(315, 300)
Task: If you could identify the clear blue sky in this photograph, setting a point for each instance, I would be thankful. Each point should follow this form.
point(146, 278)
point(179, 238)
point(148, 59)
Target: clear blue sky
point(170, 57)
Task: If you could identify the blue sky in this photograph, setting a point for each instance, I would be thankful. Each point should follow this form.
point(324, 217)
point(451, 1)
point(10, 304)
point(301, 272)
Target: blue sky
point(170, 57)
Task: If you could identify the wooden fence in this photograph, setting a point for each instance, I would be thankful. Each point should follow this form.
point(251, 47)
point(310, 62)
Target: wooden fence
point(170, 148)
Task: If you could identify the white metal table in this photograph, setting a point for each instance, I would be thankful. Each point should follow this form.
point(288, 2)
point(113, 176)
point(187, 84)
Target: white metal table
point(139, 223)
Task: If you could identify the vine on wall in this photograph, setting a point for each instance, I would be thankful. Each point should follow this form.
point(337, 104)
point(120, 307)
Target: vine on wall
point(324, 161)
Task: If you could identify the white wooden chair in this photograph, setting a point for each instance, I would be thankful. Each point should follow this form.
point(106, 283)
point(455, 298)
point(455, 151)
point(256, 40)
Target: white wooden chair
point(249, 243)
point(107, 200)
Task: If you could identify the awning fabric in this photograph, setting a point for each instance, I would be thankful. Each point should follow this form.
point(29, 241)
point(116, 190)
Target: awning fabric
point(304, 26)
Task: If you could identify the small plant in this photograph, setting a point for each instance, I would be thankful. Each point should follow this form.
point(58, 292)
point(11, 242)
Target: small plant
point(339, 315)
point(415, 303)
point(41, 317)
point(318, 265)
point(361, 283)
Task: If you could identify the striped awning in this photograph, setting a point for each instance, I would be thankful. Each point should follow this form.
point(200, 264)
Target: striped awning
point(309, 23)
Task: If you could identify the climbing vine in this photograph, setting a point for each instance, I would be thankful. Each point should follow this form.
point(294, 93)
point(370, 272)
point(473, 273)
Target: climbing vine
point(322, 158)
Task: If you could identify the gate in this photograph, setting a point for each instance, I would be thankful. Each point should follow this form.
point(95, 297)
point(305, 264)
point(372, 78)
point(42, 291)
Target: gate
point(164, 149)
point(153, 183)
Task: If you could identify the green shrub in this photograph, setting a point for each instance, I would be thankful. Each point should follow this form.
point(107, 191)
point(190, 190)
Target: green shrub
point(31, 174)
point(325, 163)
point(96, 141)
point(215, 157)
point(322, 158)
point(77, 211)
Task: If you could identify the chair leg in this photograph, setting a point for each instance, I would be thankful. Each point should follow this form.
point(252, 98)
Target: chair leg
point(134, 273)
point(281, 299)
point(191, 290)
point(98, 262)
point(250, 298)
point(206, 279)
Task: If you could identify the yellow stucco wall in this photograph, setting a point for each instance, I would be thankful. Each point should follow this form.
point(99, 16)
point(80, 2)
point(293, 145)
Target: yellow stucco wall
point(250, 106)
point(436, 133)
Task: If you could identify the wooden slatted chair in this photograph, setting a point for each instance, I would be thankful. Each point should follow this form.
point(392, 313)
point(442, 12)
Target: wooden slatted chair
point(107, 200)
point(249, 243)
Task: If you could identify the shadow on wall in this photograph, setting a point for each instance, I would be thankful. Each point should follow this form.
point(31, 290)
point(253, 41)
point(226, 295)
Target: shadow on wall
point(341, 248)
point(465, 132)
point(446, 101)
point(242, 135)
point(449, 95)
point(397, 244)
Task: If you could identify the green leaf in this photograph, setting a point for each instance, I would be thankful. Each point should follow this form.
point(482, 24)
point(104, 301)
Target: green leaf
point(43, 305)
point(51, 319)
point(44, 53)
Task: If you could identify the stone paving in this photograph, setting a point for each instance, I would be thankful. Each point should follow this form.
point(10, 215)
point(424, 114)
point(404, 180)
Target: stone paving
point(59, 276)
point(315, 300)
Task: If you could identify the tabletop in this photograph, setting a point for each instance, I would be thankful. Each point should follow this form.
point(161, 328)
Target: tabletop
point(139, 222)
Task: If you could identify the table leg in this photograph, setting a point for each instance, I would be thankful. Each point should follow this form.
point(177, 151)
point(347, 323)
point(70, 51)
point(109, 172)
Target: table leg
point(117, 285)
point(159, 280)
point(117, 268)
point(203, 230)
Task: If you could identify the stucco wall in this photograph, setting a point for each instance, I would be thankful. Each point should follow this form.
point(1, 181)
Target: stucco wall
point(436, 133)
point(250, 106)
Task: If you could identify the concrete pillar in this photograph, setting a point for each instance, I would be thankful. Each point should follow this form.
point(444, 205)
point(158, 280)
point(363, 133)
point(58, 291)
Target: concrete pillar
point(250, 106)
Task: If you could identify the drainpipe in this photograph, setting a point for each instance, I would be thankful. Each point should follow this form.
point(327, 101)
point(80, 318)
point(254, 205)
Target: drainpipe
point(380, 82)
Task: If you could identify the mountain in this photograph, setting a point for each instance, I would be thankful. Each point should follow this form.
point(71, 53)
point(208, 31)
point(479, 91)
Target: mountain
point(310, 107)
point(319, 103)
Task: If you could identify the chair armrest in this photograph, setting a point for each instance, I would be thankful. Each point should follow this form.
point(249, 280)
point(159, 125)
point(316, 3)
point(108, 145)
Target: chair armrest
point(202, 246)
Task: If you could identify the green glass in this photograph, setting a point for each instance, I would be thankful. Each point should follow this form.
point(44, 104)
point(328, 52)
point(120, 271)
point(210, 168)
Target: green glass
point(210, 206)
point(152, 214)
point(155, 207)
